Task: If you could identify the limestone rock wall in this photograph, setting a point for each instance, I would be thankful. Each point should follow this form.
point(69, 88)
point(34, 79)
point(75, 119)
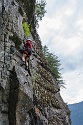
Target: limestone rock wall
point(26, 97)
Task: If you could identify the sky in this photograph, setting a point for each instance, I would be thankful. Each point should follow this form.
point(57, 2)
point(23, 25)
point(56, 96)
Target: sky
point(61, 30)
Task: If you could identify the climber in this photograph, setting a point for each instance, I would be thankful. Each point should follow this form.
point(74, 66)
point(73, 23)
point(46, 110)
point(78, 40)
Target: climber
point(27, 52)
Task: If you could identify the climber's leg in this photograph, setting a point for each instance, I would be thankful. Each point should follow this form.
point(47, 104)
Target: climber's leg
point(26, 61)
point(23, 57)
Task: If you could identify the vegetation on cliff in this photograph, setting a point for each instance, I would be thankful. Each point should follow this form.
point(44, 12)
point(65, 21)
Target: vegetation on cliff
point(52, 60)
point(40, 11)
point(54, 64)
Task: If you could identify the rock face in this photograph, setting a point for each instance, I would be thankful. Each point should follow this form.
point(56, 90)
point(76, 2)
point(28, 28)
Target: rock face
point(26, 97)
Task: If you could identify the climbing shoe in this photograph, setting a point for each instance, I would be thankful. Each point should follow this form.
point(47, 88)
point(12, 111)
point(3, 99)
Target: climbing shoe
point(26, 68)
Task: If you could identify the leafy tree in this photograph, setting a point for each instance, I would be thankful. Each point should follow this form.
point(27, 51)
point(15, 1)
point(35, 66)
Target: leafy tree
point(40, 10)
point(54, 64)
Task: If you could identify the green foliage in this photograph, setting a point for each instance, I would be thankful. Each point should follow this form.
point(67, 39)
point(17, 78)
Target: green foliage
point(40, 10)
point(26, 28)
point(54, 64)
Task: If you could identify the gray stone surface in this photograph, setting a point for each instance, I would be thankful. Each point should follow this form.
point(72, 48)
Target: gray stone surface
point(26, 96)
